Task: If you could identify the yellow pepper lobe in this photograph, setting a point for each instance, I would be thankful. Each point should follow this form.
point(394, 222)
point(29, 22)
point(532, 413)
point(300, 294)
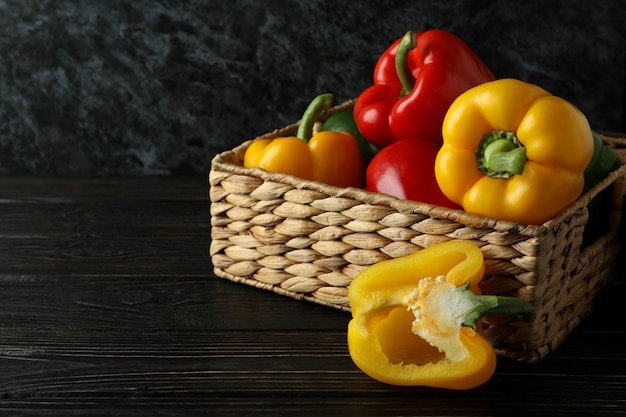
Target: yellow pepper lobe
point(288, 155)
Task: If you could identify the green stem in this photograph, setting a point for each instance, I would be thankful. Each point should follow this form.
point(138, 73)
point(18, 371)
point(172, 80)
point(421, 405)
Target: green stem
point(311, 114)
point(495, 305)
point(500, 154)
point(407, 44)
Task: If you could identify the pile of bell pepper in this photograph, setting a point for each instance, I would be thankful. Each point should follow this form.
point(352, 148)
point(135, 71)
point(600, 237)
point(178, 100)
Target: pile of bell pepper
point(438, 127)
point(415, 81)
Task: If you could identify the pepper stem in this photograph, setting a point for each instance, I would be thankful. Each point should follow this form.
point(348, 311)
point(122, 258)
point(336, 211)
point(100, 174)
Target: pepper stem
point(311, 114)
point(408, 43)
point(500, 154)
point(494, 305)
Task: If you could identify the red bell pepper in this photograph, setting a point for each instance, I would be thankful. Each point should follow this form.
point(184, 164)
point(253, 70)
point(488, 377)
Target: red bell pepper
point(431, 70)
point(406, 169)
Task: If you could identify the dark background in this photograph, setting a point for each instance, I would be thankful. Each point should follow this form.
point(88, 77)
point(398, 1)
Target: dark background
point(158, 87)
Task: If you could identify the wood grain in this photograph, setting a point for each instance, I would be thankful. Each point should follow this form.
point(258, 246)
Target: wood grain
point(108, 307)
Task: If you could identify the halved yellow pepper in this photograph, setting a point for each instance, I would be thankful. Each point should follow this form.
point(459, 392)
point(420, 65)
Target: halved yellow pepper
point(414, 318)
point(513, 151)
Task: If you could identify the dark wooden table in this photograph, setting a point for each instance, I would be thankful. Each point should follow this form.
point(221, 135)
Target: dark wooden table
point(109, 307)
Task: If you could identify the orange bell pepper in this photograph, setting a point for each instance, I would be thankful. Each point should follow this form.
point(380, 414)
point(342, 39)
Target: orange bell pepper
point(415, 318)
point(513, 151)
point(330, 157)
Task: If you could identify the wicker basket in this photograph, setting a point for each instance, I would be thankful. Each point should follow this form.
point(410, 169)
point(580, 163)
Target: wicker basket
point(308, 240)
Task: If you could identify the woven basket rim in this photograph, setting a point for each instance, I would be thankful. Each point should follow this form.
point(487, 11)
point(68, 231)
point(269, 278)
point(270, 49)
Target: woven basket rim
point(221, 162)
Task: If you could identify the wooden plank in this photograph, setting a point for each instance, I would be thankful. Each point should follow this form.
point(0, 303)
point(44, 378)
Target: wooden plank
point(263, 367)
point(67, 188)
point(104, 302)
point(122, 237)
point(113, 218)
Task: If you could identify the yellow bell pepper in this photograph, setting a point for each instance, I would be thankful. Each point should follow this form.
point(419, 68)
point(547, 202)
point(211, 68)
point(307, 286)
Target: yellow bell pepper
point(414, 318)
point(330, 157)
point(513, 151)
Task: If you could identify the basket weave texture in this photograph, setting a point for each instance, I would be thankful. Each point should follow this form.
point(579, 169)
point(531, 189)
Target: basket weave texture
point(308, 240)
